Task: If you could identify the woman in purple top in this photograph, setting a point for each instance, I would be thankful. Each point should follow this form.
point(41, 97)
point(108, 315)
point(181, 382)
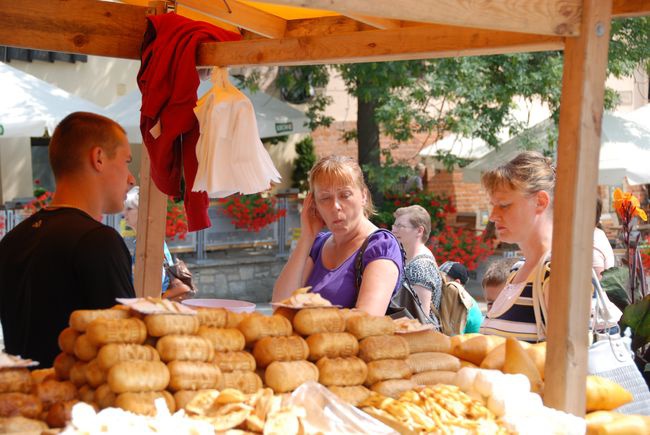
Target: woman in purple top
point(340, 200)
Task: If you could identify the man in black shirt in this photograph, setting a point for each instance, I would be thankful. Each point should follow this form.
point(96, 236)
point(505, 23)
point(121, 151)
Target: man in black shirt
point(63, 258)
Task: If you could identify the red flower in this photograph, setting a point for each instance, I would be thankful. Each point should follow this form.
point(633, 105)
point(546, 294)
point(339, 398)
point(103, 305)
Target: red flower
point(251, 212)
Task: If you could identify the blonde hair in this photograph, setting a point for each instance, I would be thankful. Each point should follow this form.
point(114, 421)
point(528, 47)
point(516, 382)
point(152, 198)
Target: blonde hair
point(418, 216)
point(341, 171)
point(528, 172)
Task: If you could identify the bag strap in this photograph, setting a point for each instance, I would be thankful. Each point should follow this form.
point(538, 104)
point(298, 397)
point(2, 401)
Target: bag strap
point(539, 301)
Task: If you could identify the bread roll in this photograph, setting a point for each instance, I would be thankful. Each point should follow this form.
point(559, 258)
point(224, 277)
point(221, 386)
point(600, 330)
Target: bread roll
point(40, 375)
point(433, 377)
point(104, 396)
point(213, 317)
point(605, 395)
point(383, 347)
point(367, 326)
point(84, 349)
point(476, 348)
point(461, 338)
point(285, 376)
point(104, 331)
point(341, 371)
point(21, 425)
point(60, 413)
point(95, 375)
point(385, 369)
point(310, 321)
point(234, 319)
point(497, 357)
point(15, 380)
point(113, 353)
point(245, 381)
point(238, 360)
point(78, 374)
point(67, 338)
point(193, 375)
point(165, 324)
point(52, 391)
point(537, 353)
point(352, 395)
point(183, 397)
point(138, 376)
point(80, 319)
point(289, 313)
point(143, 403)
point(332, 345)
point(62, 365)
point(223, 339)
point(269, 349)
point(518, 361)
point(87, 394)
point(426, 361)
point(257, 327)
point(184, 348)
point(20, 404)
point(427, 341)
point(394, 387)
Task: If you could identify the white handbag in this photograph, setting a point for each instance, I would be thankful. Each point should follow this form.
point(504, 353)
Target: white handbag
point(610, 356)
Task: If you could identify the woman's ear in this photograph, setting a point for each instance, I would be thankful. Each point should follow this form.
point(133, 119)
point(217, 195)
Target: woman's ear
point(543, 201)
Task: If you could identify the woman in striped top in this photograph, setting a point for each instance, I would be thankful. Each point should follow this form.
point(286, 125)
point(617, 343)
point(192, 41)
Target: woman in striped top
point(521, 196)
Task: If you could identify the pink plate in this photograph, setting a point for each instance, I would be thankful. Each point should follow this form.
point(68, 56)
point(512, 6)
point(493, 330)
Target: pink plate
point(229, 304)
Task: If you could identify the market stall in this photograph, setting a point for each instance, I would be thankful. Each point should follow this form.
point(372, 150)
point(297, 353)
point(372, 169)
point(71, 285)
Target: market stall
point(367, 30)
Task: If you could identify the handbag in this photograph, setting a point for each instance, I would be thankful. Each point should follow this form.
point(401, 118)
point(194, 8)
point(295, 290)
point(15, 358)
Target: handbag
point(405, 302)
point(180, 271)
point(610, 356)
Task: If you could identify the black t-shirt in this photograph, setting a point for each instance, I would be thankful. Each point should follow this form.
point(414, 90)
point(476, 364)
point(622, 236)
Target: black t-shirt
point(51, 264)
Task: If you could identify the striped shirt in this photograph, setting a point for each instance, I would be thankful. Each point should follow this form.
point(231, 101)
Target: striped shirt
point(519, 319)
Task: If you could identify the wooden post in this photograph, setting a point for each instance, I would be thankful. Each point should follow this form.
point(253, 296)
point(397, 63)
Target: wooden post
point(581, 110)
point(152, 211)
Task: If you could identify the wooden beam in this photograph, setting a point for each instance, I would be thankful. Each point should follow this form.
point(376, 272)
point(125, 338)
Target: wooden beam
point(630, 8)
point(149, 256)
point(73, 26)
point(323, 26)
point(583, 88)
point(240, 15)
point(375, 45)
point(377, 22)
point(545, 17)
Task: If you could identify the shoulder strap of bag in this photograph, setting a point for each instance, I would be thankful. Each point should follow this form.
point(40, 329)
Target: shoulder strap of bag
point(539, 301)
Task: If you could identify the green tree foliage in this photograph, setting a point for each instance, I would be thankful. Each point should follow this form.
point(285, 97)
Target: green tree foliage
point(303, 163)
point(469, 96)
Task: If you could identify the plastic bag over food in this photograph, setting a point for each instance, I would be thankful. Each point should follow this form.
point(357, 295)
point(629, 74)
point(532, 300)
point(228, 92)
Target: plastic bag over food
point(326, 413)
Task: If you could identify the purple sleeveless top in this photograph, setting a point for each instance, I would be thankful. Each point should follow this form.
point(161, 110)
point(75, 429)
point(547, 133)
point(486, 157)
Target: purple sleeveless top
point(338, 285)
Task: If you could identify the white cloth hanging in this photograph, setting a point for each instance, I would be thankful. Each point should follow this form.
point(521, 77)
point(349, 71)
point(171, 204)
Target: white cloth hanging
point(232, 158)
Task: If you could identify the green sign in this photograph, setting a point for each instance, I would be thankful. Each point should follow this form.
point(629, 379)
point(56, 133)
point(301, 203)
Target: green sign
point(2, 129)
point(283, 127)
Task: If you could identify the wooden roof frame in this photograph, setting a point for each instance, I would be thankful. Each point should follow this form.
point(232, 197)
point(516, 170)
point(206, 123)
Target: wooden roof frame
point(376, 30)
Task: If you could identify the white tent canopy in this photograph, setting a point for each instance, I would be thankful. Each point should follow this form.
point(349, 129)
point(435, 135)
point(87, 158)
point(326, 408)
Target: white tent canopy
point(274, 117)
point(624, 152)
point(29, 106)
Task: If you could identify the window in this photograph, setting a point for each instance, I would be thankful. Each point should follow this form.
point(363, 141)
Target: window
point(28, 55)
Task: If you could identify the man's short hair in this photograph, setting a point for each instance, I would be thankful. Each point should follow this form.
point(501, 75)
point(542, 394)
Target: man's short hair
point(76, 134)
point(455, 270)
point(498, 272)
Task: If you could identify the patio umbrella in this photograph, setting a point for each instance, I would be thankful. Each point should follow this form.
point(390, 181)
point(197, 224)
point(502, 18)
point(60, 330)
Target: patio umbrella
point(31, 107)
point(274, 117)
point(624, 152)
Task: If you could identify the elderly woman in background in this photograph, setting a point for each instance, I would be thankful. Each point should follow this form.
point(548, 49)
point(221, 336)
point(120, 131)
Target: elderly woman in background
point(412, 228)
point(172, 288)
point(521, 196)
point(325, 260)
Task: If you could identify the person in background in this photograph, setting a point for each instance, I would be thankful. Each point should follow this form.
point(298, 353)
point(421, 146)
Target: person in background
point(412, 228)
point(325, 260)
point(62, 258)
point(603, 255)
point(495, 278)
point(172, 288)
point(521, 195)
point(454, 271)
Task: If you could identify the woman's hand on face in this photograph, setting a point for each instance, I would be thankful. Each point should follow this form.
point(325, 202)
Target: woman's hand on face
point(310, 221)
